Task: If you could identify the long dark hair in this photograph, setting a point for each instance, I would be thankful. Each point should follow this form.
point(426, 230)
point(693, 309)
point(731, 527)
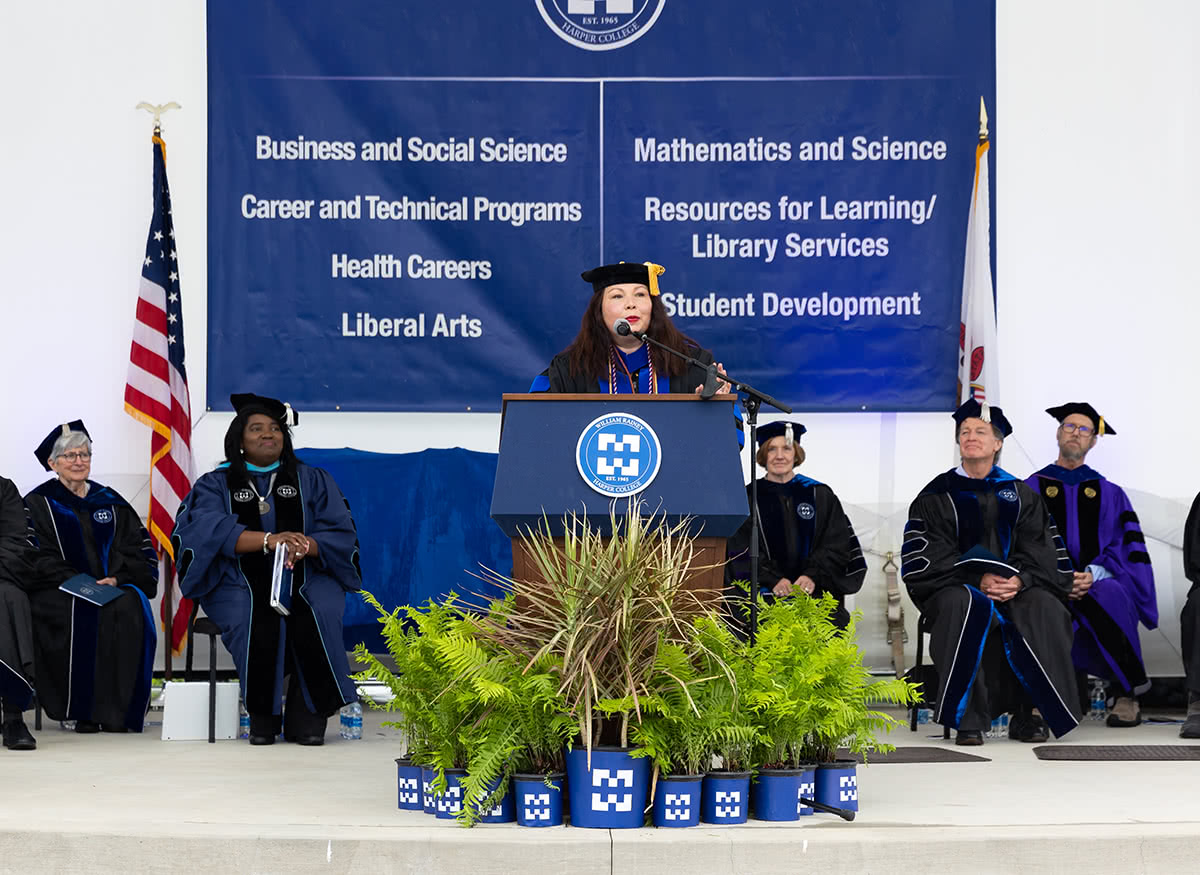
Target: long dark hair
point(236, 474)
point(591, 349)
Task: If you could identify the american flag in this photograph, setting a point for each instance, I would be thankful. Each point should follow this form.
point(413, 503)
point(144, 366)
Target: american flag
point(978, 367)
point(156, 389)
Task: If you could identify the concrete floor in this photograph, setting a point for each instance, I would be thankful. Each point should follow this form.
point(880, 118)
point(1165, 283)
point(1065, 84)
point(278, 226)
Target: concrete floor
point(134, 803)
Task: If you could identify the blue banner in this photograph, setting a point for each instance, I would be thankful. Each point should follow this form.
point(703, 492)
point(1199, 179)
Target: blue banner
point(402, 197)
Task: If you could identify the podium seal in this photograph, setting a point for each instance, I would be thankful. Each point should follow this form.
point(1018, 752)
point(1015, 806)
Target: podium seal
point(618, 454)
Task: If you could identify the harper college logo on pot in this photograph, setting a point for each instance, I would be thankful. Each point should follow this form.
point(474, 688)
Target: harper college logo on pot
point(618, 454)
point(600, 25)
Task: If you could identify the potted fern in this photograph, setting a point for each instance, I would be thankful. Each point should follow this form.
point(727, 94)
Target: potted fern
point(844, 694)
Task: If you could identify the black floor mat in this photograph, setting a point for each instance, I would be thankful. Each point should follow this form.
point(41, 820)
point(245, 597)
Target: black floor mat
point(1118, 752)
point(918, 755)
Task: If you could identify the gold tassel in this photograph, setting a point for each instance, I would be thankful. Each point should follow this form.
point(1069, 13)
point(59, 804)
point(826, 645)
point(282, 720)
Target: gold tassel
point(655, 271)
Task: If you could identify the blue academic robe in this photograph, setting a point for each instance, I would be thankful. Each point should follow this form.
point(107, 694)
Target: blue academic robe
point(234, 592)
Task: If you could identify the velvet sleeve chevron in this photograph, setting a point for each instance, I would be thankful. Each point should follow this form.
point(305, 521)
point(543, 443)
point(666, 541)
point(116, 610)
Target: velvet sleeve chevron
point(1123, 553)
point(1038, 550)
point(836, 562)
point(930, 547)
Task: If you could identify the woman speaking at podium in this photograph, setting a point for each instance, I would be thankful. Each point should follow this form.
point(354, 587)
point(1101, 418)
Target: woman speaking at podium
point(226, 535)
point(605, 358)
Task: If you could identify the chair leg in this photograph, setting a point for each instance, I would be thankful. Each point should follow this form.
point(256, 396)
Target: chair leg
point(912, 717)
point(212, 688)
point(37, 713)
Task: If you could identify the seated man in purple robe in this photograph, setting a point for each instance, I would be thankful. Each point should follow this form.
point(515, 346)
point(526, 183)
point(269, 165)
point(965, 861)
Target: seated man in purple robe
point(982, 561)
point(1113, 585)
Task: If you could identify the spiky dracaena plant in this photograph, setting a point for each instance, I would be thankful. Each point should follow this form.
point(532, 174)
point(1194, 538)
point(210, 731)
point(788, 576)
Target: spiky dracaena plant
point(601, 607)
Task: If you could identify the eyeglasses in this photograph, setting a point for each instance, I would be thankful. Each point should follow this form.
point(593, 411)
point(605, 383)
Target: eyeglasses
point(78, 456)
point(1071, 428)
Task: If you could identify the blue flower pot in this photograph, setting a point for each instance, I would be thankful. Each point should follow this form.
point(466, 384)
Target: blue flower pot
point(447, 805)
point(725, 797)
point(776, 793)
point(408, 786)
point(612, 793)
point(837, 784)
point(537, 804)
point(502, 811)
point(427, 776)
point(677, 800)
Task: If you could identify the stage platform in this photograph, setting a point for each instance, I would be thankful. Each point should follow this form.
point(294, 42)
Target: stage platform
point(134, 803)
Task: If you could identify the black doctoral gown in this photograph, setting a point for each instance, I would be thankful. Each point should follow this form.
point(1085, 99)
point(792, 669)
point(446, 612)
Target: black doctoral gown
point(92, 663)
point(16, 636)
point(992, 656)
point(803, 530)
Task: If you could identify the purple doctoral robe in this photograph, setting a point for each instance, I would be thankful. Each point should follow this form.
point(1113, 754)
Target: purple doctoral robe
point(1100, 528)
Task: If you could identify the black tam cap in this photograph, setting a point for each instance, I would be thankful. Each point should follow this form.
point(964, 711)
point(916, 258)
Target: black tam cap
point(1062, 411)
point(972, 409)
point(646, 273)
point(43, 449)
point(779, 428)
point(248, 402)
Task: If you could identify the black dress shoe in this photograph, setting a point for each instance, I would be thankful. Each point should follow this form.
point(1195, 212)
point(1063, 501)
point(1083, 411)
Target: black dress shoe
point(969, 738)
point(1029, 728)
point(306, 740)
point(113, 727)
point(17, 737)
point(1191, 727)
point(261, 739)
point(87, 727)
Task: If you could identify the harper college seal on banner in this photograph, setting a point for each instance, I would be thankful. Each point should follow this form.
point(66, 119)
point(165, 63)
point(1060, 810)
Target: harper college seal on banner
point(600, 25)
point(618, 454)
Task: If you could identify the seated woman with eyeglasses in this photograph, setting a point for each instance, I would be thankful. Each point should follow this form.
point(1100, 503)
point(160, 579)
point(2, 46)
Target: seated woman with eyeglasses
point(92, 662)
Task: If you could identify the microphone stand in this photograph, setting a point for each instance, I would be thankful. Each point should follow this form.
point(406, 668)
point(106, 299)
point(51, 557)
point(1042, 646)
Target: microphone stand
point(754, 399)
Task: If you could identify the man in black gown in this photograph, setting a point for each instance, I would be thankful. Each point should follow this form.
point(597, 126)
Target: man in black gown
point(982, 558)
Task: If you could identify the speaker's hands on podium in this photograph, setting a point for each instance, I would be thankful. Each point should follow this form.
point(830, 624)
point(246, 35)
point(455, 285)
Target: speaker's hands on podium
point(722, 387)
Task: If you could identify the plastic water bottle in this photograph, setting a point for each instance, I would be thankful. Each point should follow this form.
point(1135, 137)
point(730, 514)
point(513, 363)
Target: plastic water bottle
point(1099, 708)
point(924, 716)
point(243, 721)
point(351, 720)
point(994, 731)
point(1002, 730)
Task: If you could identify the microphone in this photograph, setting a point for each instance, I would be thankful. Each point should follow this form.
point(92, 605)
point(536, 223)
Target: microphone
point(623, 328)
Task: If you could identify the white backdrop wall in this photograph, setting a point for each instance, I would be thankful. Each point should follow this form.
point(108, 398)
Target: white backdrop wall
point(1096, 226)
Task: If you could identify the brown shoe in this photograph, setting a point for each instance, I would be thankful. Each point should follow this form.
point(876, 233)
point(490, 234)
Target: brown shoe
point(1126, 712)
point(969, 738)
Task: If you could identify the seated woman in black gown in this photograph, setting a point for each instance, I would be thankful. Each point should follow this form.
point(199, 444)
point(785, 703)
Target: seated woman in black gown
point(225, 537)
point(602, 360)
point(807, 545)
point(93, 663)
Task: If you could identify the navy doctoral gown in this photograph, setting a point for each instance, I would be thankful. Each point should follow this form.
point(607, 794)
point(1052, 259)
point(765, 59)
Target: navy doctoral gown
point(234, 589)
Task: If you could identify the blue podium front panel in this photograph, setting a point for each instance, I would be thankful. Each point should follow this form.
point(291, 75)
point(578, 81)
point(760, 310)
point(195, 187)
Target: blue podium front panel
point(560, 453)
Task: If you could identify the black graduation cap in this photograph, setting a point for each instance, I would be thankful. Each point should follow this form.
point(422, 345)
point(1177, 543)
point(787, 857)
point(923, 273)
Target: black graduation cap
point(43, 450)
point(972, 409)
point(777, 428)
point(646, 273)
point(983, 561)
point(1062, 411)
point(248, 402)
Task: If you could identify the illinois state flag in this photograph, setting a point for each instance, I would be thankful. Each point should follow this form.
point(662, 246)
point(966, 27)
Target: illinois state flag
point(977, 365)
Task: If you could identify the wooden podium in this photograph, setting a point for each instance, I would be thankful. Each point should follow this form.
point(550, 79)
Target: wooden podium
point(563, 453)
